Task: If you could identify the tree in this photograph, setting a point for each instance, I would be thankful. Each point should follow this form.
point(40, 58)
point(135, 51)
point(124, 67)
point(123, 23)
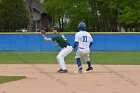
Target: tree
point(13, 15)
point(57, 10)
point(129, 15)
point(99, 15)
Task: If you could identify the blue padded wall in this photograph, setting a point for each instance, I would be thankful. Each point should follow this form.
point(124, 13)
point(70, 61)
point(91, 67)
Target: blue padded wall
point(102, 42)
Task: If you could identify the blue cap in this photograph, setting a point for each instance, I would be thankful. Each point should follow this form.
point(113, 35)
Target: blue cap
point(82, 26)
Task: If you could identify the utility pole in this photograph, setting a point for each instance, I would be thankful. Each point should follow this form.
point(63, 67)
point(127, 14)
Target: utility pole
point(30, 15)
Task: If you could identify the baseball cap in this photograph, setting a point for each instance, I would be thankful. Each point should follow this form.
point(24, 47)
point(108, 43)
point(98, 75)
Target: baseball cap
point(55, 28)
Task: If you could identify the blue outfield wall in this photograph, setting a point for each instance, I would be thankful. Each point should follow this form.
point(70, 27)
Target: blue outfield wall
point(102, 42)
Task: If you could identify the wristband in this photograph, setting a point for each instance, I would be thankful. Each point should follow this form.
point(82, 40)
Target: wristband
point(45, 38)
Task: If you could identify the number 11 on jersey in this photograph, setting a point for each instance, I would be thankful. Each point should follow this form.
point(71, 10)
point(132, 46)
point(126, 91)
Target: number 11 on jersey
point(84, 38)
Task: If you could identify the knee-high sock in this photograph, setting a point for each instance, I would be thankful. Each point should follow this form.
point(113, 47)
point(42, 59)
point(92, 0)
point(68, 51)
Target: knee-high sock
point(89, 63)
point(78, 60)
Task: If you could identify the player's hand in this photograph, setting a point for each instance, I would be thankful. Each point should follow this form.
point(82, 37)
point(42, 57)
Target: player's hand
point(73, 49)
point(56, 45)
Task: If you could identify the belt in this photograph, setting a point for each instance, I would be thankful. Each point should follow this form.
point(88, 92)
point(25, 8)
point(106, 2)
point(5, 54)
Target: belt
point(66, 46)
point(81, 48)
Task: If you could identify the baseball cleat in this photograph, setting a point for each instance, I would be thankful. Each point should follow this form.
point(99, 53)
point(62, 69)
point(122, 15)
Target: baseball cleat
point(62, 71)
point(59, 70)
point(90, 68)
point(80, 70)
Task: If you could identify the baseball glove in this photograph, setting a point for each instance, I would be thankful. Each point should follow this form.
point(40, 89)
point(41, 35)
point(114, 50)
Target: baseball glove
point(43, 32)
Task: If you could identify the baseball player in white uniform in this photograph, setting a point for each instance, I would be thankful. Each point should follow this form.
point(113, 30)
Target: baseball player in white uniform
point(83, 40)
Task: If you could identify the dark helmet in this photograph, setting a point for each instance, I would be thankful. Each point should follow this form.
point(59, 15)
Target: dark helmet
point(82, 26)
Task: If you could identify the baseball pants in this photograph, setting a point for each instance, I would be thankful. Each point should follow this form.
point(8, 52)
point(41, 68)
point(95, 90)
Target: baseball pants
point(61, 55)
point(83, 53)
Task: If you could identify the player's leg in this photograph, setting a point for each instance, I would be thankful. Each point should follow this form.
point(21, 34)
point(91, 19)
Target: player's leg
point(60, 57)
point(87, 59)
point(61, 61)
point(66, 51)
point(85, 53)
point(78, 61)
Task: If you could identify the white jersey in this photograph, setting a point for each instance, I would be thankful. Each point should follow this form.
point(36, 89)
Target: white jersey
point(84, 39)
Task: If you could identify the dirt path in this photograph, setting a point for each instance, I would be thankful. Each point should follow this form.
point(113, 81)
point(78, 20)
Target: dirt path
point(44, 79)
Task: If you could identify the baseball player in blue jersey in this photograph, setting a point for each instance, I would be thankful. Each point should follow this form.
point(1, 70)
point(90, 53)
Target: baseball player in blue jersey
point(83, 40)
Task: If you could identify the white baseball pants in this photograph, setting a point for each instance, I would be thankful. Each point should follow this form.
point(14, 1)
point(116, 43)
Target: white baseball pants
point(83, 53)
point(61, 55)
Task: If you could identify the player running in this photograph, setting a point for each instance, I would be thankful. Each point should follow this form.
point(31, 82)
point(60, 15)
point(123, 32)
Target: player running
point(64, 44)
point(83, 40)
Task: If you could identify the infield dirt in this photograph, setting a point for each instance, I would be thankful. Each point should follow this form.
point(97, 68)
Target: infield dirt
point(44, 79)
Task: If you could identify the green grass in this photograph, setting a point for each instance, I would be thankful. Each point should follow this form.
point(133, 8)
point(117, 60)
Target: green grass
point(4, 79)
point(50, 58)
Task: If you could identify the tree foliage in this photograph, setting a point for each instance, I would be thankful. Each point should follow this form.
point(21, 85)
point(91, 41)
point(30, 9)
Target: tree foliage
point(13, 15)
point(99, 15)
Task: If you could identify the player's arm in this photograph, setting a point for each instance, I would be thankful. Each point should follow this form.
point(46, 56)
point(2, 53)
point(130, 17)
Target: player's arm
point(76, 43)
point(43, 32)
point(91, 41)
point(47, 39)
point(56, 45)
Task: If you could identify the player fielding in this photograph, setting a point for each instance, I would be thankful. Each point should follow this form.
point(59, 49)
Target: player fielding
point(64, 44)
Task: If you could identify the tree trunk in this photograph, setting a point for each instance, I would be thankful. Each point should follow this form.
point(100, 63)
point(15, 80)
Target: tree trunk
point(62, 24)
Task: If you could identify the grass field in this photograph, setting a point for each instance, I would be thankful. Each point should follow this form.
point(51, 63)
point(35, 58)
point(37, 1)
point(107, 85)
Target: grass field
point(49, 58)
point(4, 79)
